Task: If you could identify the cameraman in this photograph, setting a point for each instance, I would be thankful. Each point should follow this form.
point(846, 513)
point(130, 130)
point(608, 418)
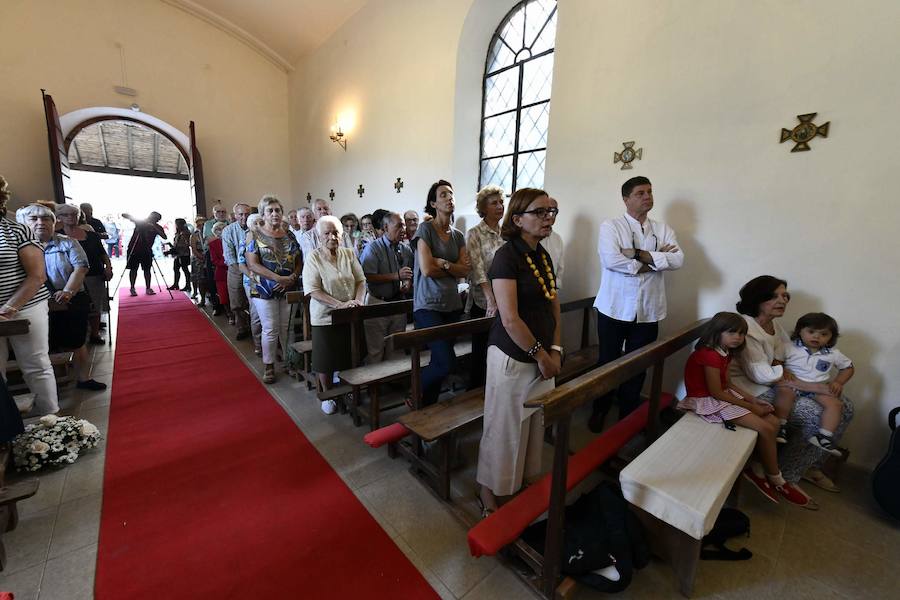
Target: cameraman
point(140, 248)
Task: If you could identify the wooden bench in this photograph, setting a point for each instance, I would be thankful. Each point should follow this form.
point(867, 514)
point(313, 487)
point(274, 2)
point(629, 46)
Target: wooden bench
point(303, 347)
point(63, 371)
point(679, 485)
point(9, 514)
point(503, 528)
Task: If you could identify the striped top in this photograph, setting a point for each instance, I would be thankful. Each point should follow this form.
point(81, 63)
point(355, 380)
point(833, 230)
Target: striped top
point(13, 237)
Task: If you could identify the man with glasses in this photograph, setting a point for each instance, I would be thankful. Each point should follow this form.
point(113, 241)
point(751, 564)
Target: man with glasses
point(387, 265)
point(634, 252)
point(233, 237)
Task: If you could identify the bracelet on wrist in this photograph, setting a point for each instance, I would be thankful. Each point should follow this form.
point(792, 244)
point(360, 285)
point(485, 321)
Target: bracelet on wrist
point(10, 308)
point(534, 349)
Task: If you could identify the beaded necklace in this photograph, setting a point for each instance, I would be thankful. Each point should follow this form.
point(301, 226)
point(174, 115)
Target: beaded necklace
point(548, 294)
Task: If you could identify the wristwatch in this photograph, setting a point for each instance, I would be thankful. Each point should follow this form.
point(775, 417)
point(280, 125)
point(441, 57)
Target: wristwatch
point(558, 349)
point(445, 265)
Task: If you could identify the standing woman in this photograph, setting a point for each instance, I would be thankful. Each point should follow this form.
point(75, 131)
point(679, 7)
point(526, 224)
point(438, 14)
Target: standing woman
point(274, 255)
point(23, 296)
point(217, 257)
point(66, 265)
point(482, 242)
point(524, 352)
point(366, 234)
point(332, 278)
point(100, 270)
point(441, 260)
point(198, 261)
point(181, 254)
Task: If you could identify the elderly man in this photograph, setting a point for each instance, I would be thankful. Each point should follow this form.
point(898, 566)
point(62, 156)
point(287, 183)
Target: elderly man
point(306, 219)
point(232, 242)
point(309, 239)
point(411, 223)
point(220, 215)
point(97, 224)
point(387, 265)
point(634, 251)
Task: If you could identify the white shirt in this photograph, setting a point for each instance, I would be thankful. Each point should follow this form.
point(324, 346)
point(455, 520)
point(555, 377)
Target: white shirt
point(813, 367)
point(338, 279)
point(753, 370)
point(624, 294)
point(554, 247)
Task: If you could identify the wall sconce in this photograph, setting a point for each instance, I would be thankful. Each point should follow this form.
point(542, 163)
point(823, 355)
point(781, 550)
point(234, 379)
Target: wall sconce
point(337, 136)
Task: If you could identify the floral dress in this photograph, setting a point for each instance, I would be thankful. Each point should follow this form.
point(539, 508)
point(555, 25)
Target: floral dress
point(279, 255)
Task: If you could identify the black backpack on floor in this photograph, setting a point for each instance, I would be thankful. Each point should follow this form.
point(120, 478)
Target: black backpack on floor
point(729, 524)
point(600, 532)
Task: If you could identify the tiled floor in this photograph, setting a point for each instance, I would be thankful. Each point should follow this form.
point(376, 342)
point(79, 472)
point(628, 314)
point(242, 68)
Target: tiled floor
point(845, 550)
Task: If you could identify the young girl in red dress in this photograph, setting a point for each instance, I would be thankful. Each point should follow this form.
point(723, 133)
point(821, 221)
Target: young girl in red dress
point(712, 396)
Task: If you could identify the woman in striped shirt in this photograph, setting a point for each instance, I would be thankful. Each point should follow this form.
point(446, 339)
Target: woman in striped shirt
point(23, 296)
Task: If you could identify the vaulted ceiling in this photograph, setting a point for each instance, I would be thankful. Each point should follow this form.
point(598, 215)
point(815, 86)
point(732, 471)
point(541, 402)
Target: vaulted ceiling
point(291, 29)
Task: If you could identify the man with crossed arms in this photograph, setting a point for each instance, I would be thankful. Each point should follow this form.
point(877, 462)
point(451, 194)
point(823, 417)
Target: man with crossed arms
point(634, 251)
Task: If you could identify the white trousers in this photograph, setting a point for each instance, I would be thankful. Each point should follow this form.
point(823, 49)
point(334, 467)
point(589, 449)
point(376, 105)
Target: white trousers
point(511, 442)
point(378, 329)
point(33, 357)
point(274, 316)
point(255, 325)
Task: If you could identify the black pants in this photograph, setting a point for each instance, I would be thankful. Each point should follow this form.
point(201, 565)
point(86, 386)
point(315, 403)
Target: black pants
point(618, 338)
point(181, 264)
point(211, 281)
point(478, 363)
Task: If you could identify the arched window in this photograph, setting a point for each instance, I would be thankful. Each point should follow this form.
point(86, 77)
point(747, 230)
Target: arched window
point(516, 109)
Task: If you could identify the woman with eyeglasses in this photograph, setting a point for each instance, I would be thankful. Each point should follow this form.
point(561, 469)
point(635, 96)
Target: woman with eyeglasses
point(524, 352)
point(441, 261)
point(763, 300)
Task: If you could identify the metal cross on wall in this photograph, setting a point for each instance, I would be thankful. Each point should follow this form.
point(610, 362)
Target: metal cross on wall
point(361, 190)
point(398, 185)
point(308, 197)
point(803, 133)
point(331, 195)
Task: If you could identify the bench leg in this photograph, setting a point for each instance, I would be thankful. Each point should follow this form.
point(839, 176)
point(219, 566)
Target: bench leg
point(354, 405)
point(676, 547)
point(444, 448)
point(374, 408)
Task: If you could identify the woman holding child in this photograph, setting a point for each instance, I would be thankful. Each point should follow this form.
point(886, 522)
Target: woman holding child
point(763, 300)
point(524, 353)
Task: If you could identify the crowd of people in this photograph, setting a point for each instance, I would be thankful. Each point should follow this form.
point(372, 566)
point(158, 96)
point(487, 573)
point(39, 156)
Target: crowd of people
point(745, 370)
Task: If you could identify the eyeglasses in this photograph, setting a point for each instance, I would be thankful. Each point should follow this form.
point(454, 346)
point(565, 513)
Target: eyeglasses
point(541, 213)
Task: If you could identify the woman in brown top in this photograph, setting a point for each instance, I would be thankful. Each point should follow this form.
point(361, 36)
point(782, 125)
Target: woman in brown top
point(524, 352)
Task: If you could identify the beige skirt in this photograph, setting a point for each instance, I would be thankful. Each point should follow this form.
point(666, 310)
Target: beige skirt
point(513, 435)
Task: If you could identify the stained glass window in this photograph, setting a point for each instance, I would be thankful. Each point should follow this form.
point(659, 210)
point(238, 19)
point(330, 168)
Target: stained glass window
point(516, 111)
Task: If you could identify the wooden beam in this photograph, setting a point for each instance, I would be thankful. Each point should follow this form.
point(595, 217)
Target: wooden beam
point(133, 172)
point(77, 153)
point(156, 153)
point(103, 146)
point(130, 147)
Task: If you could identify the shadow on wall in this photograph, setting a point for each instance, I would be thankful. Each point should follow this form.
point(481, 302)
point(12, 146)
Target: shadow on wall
point(865, 390)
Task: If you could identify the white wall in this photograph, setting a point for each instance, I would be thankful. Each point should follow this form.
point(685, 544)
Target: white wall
point(184, 69)
point(705, 88)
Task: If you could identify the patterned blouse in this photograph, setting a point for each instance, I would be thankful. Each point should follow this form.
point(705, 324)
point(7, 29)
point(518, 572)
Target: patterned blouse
point(279, 255)
point(482, 243)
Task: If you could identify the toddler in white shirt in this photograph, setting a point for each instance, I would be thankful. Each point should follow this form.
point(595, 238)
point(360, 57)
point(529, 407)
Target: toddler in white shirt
point(811, 358)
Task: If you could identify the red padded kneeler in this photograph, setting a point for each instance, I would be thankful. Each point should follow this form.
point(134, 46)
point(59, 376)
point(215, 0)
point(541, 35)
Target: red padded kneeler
point(507, 524)
point(386, 435)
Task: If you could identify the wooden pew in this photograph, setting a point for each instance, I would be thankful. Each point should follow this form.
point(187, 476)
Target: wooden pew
point(558, 406)
point(303, 347)
point(438, 422)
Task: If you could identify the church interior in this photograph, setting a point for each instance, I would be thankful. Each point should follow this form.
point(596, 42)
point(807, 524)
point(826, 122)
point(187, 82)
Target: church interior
point(223, 466)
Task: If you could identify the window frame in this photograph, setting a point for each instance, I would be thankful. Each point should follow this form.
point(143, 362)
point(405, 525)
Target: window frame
point(519, 107)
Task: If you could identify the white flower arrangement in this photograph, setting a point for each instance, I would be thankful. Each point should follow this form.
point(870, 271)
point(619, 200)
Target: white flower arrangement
point(55, 441)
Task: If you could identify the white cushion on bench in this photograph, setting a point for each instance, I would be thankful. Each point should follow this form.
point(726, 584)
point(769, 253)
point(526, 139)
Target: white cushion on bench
point(685, 476)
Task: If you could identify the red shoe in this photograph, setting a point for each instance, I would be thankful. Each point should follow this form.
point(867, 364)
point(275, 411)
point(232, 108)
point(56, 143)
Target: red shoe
point(762, 484)
point(796, 496)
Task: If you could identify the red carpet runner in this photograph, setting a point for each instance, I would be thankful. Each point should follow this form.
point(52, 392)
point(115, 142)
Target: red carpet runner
point(210, 489)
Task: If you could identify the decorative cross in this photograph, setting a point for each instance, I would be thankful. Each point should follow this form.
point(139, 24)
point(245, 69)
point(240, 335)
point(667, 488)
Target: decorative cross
point(308, 197)
point(331, 195)
point(398, 185)
point(803, 133)
point(361, 190)
point(627, 155)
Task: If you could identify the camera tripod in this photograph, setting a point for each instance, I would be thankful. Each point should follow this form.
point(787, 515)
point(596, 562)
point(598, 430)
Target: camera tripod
point(157, 273)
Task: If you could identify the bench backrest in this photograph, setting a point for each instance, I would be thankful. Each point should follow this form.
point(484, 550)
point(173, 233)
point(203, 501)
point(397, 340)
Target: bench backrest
point(15, 327)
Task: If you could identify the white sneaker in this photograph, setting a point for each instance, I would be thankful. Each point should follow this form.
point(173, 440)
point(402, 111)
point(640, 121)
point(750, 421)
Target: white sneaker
point(329, 407)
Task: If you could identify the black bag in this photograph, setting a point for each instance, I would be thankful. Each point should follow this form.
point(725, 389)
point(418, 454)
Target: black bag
point(886, 476)
point(729, 524)
point(600, 532)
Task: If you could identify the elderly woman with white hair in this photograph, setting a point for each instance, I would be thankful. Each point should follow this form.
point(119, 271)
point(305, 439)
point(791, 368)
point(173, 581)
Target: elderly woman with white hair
point(332, 278)
point(23, 296)
point(274, 255)
point(66, 265)
point(100, 270)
